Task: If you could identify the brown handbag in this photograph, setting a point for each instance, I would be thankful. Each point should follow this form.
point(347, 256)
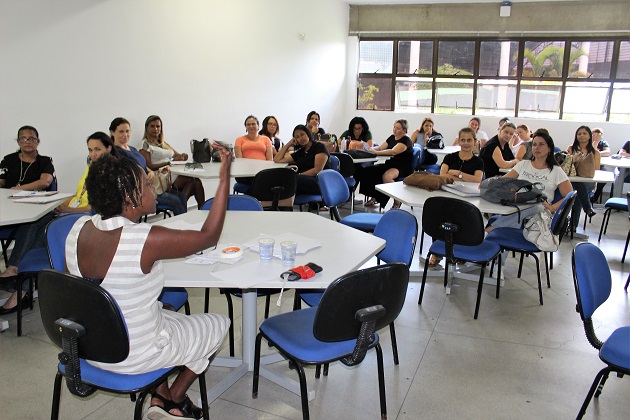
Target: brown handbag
point(584, 164)
point(426, 180)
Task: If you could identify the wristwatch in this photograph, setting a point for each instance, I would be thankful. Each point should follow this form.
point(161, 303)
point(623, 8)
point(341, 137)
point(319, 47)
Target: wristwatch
point(460, 176)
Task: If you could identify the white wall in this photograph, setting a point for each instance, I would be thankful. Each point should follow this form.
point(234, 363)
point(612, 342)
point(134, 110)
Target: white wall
point(70, 66)
point(381, 122)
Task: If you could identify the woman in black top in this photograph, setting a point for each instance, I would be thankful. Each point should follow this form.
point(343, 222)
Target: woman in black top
point(400, 148)
point(309, 158)
point(463, 165)
point(496, 153)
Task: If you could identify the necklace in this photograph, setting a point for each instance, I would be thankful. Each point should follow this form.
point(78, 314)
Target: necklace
point(22, 176)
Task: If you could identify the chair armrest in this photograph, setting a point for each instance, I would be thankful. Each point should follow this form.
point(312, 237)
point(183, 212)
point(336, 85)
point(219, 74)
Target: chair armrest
point(371, 313)
point(69, 328)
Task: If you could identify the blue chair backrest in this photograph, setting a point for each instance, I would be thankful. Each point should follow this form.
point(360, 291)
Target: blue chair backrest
point(562, 213)
point(418, 157)
point(591, 276)
point(237, 202)
point(333, 161)
point(399, 229)
point(53, 185)
point(333, 187)
point(56, 234)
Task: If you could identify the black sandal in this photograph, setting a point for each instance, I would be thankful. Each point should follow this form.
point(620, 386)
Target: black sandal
point(164, 411)
point(187, 407)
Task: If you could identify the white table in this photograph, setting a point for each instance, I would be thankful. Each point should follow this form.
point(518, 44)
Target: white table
point(624, 165)
point(604, 177)
point(343, 250)
point(443, 152)
point(240, 167)
point(415, 197)
point(12, 213)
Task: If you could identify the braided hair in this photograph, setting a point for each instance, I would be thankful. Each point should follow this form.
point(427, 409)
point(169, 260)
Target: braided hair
point(113, 183)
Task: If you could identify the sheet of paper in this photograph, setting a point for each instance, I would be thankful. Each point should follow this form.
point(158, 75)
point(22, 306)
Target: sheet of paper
point(24, 194)
point(214, 255)
point(43, 200)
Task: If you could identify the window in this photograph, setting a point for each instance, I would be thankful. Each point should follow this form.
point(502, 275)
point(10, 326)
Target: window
point(573, 79)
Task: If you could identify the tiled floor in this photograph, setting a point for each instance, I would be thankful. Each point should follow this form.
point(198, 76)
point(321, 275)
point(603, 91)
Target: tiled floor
point(519, 360)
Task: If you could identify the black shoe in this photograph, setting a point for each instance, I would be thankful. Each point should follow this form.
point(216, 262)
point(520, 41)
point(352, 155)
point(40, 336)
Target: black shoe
point(26, 301)
point(188, 408)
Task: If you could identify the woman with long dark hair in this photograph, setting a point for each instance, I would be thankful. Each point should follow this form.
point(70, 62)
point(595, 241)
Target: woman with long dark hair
point(583, 154)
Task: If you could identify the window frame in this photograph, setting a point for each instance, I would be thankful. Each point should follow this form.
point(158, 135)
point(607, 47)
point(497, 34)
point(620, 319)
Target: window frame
point(562, 78)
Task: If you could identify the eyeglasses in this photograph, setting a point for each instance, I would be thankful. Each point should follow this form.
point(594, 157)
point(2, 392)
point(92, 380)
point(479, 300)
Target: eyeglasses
point(192, 166)
point(27, 139)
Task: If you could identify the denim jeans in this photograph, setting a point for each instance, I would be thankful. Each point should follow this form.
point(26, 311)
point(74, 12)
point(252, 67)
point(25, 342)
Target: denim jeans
point(29, 236)
point(177, 202)
point(582, 201)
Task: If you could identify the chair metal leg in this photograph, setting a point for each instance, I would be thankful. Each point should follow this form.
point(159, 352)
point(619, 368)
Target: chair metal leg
point(381, 381)
point(520, 265)
point(479, 289)
point(625, 248)
point(303, 389)
point(424, 279)
point(318, 371)
point(267, 304)
point(627, 283)
point(204, 396)
point(392, 333)
point(604, 223)
point(600, 387)
point(421, 241)
point(540, 296)
point(137, 412)
point(592, 390)
point(187, 307)
point(256, 373)
point(206, 304)
point(231, 316)
point(326, 366)
point(547, 270)
point(498, 276)
point(54, 413)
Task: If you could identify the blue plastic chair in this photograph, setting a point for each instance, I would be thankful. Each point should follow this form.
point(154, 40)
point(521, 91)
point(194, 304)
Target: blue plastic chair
point(343, 327)
point(458, 231)
point(84, 319)
point(613, 203)
point(512, 239)
point(7, 235)
point(56, 234)
point(433, 168)
point(346, 169)
point(335, 192)
point(238, 203)
point(591, 277)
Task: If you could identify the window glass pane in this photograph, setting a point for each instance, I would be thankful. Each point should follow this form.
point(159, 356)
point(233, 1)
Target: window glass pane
point(456, 57)
point(620, 105)
point(623, 68)
point(375, 93)
point(496, 97)
point(376, 56)
point(415, 57)
point(453, 96)
point(585, 101)
point(413, 94)
point(539, 99)
point(591, 59)
point(498, 58)
point(543, 59)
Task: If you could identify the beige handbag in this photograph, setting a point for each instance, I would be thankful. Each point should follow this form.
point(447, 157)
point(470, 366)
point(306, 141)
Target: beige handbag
point(162, 181)
point(584, 164)
point(427, 180)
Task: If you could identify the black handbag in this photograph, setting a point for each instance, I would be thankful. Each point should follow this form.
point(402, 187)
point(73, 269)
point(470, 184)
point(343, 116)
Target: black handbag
point(360, 154)
point(200, 151)
point(435, 142)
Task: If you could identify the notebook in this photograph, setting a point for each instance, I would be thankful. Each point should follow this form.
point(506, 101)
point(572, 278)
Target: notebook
point(468, 189)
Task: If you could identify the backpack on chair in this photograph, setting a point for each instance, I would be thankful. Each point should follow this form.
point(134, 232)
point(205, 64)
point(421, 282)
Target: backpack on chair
point(511, 191)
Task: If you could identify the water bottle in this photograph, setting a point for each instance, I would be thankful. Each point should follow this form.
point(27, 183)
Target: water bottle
point(342, 145)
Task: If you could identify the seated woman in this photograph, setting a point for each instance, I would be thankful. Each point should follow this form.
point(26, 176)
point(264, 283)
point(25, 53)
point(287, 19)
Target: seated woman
point(422, 135)
point(309, 158)
point(99, 144)
point(461, 166)
point(496, 154)
point(158, 153)
point(357, 136)
point(26, 170)
point(543, 169)
point(318, 133)
point(523, 150)
point(604, 150)
point(120, 130)
point(481, 135)
point(124, 257)
point(400, 148)
point(583, 153)
point(252, 146)
point(271, 129)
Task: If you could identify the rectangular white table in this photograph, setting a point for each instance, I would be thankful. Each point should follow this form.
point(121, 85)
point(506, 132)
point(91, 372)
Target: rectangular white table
point(13, 213)
point(343, 250)
point(240, 167)
point(624, 165)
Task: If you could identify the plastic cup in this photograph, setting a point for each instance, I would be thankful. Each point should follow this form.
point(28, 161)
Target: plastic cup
point(288, 249)
point(265, 248)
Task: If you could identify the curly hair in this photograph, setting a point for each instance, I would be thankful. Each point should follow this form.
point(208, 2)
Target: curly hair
point(112, 184)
